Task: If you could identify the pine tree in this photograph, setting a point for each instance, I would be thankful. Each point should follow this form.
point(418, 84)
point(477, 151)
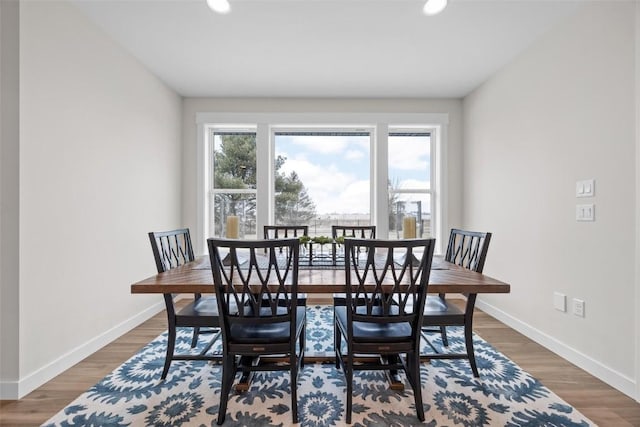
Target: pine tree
point(235, 168)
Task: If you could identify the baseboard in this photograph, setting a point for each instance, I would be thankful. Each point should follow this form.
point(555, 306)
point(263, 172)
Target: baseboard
point(615, 379)
point(13, 390)
point(9, 390)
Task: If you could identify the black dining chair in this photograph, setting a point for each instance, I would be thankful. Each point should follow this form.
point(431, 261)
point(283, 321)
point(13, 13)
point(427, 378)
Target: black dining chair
point(285, 231)
point(172, 249)
point(467, 249)
point(347, 232)
point(339, 232)
point(260, 315)
point(382, 316)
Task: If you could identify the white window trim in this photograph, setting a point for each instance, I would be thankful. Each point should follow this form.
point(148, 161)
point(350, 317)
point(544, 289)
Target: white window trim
point(320, 128)
point(436, 122)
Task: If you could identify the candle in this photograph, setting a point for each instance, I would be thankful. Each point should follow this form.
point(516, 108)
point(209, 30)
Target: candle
point(409, 227)
point(233, 228)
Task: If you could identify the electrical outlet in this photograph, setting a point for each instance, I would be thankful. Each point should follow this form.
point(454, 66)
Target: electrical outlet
point(578, 307)
point(560, 301)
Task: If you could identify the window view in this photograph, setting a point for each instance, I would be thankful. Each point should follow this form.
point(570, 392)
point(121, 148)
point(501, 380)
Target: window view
point(409, 184)
point(322, 179)
point(233, 196)
point(321, 175)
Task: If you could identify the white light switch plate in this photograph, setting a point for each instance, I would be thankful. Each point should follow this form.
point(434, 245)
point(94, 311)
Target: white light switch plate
point(585, 188)
point(560, 301)
point(586, 212)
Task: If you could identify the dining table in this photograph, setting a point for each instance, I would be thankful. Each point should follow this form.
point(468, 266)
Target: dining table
point(196, 277)
point(444, 278)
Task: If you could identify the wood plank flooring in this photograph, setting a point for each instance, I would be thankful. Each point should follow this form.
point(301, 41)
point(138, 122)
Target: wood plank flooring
point(598, 401)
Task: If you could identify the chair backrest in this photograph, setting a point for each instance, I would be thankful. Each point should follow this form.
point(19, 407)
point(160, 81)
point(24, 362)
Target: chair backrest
point(468, 249)
point(263, 285)
point(388, 284)
point(356, 231)
point(285, 231)
point(171, 248)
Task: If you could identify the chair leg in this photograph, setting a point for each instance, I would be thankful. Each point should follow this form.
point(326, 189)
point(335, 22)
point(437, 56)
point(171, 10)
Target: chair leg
point(194, 339)
point(228, 374)
point(468, 340)
point(337, 340)
point(348, 375)
point(303, 344)
point(294, 387)
point(443, 333)
point(413, 362)
point(171, 340)
point(468, 333)
point(171, 344)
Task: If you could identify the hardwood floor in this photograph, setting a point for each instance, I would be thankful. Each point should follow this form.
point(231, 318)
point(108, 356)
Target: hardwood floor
point(601, 403)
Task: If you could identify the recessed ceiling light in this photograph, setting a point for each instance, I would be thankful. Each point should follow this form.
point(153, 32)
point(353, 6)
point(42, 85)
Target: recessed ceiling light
point(220, 6)
point(433, 7)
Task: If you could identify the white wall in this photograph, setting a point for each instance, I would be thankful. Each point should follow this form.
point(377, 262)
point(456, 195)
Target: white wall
point(563, 111)
point(452, 107)
point(9, 159)
point(100, 166)
point(637, 299)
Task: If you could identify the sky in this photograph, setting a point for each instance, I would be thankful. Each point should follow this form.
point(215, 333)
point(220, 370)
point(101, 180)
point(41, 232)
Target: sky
point(336, 169)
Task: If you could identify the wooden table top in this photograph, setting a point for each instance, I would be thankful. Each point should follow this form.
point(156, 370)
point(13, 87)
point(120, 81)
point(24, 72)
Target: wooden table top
point(196, 276)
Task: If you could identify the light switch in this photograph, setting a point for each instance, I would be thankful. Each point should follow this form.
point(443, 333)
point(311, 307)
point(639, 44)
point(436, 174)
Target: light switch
point(585, 212)
point(560, 301)
point(585, 188)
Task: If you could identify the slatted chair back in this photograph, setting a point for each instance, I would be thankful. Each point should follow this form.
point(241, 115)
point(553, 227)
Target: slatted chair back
point(258, 299)
point(387, 286)
point(355, 231)
point(468, 249)
point(285, 231)
point(385, 297)
point(171, 249)
point(265, 286)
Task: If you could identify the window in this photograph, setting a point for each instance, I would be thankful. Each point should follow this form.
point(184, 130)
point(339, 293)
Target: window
point(409, 169)
point(232, 183)
point(322, 178)
point(320, 169)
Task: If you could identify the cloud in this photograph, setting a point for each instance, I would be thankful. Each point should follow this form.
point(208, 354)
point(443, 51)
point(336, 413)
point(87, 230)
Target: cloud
point(331, 189)
point(409, 157)
point(353, 154)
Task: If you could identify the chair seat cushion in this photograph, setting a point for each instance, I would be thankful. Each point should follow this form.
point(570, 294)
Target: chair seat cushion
point(266, 333)
point(374, 332)
point(436, 306)
point(203, 306)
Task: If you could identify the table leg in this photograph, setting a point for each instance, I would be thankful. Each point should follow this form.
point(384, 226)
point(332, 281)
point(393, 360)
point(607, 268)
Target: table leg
point(245, 379)
point(394, 378)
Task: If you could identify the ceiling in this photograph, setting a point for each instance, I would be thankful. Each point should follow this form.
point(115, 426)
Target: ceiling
point(325, 48)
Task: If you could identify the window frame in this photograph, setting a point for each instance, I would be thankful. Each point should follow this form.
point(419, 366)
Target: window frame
point(437, 123)
point(209, 180)
point(431, 191)
point(370, 130)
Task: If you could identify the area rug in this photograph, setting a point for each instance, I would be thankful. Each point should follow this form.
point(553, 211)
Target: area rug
point(134, 395)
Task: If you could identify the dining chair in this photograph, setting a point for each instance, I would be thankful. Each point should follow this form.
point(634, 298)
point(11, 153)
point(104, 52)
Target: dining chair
point(172, 249)
point(260, 316)
point(339, 232)
point(285, 231)
point(467, 249)
point(382, 316)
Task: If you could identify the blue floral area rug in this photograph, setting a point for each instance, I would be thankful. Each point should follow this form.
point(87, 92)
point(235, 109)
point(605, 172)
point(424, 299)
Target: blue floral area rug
point(134, 395)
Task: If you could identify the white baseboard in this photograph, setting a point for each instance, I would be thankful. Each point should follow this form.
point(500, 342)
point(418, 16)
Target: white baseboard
point(615, 379)
point(13, 390)
point(9, 390)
